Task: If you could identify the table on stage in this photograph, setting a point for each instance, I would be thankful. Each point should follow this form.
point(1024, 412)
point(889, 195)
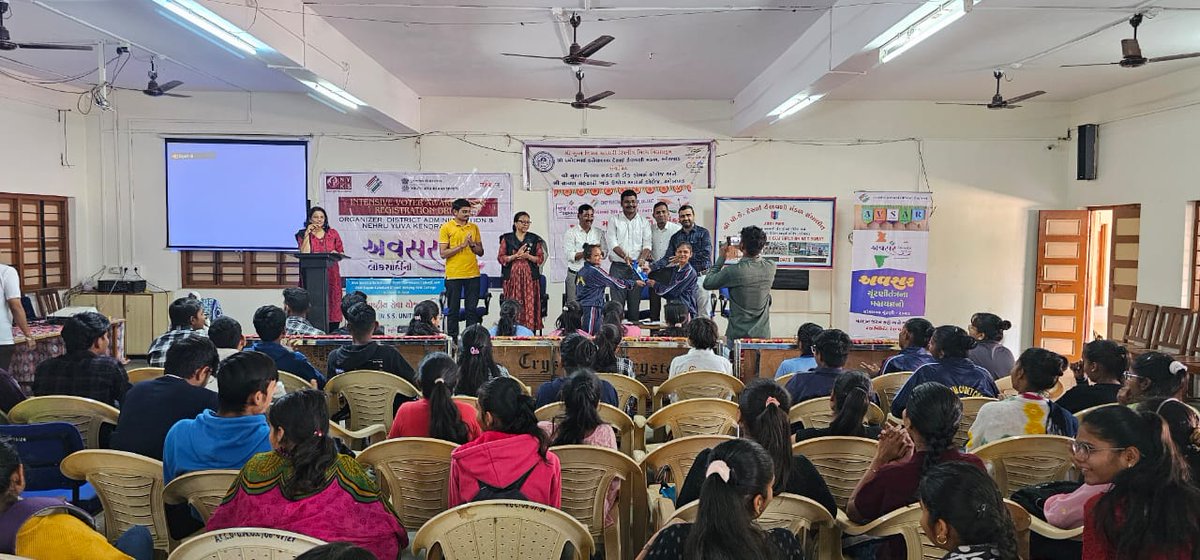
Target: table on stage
point(760, 357)
point(50, 344)
point(318, 348)
point(536, 359)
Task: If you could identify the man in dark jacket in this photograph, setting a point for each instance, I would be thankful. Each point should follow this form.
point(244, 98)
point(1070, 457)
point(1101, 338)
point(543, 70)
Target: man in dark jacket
point(366, 353)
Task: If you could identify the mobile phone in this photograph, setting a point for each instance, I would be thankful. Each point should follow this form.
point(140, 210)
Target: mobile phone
point(734, 240)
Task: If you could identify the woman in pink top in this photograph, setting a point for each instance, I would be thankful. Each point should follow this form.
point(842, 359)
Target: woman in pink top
point(581, 425)
point(437, 414)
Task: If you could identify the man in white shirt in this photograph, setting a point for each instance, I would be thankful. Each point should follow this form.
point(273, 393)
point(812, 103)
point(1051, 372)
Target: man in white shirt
point(11, 313)
point(660, 237)
point(629, 243)
point(576, 237)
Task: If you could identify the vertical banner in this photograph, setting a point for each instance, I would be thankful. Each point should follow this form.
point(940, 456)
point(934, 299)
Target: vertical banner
point(395, 298)
point(564, 214)
point(620, 163)
point(389, 221)
point(890, 261)
point(799, 230)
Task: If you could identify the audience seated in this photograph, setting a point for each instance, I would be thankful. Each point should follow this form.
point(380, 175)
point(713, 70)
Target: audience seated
point(949, 346)
point(763, 418)
point(965, 514)
point(49, 528)
point(86, 370)
point(187, 317)
point(269, 324)
point(296, 305)
point(989, 352)
point(226, 334)
point(337, 551)
point(365, 353)
point(576, 351)
point(1098, 376)
point(614, 314)
point(1184, 423)
point(510, 459)
point(850, 399)
point(348, 301)
point(425, 319)
point(608, 342)
point(1028, 412)
point(703, 338)
point(227, 437)
point(436, 414)
point(153, 406)
point(570, 321)
point(510, 310)
point(580, 424)
point(736, 489)
point(305, 486)
point(675, 315)
point(805, 361)
point(1152, 511)
point(212, 307)
point(831, 348)
point(475, 361)
point(1154, 374)
point(914, 343)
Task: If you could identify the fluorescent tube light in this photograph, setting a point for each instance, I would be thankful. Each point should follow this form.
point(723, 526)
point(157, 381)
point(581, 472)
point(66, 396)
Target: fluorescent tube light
point(214, 25)
point(335, 94)
point(924, 28)
point(793, 105)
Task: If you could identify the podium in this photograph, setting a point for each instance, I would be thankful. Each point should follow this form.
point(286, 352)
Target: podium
point(314, 276)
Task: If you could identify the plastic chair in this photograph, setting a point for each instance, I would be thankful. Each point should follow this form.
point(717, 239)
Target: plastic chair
point(587, 472)
point(721, 299)
point(629, 388)
point(473, 401)
point(1022, 461)
point(697, 384)
point(42, 447)
point(130, 487)
point(697, 417)
point(414, 474)
point(799, 515)
point(970, 409)
point(245, 543)
point(631, 434)
point(370, 395)
point(502, 529)
point(886, 386)
point(1079, 415)
point(784, 379)
point(841, 460)
point(906, 522)
point(141, 374)
point(485, 301)
point(369, 435)
point(669, 463)
point(292, 382)
point(88, 416)
point(817, 413)
point(203, 490)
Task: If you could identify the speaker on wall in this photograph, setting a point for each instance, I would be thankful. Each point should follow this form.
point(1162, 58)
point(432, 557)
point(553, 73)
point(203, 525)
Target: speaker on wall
point(1086, 160)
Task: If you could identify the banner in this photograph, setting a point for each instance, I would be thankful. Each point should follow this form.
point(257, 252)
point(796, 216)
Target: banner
point(564, 214)
point(889, 262)
point(389, 221)
point(799, 230)
point(619, 164)
point(395, 298)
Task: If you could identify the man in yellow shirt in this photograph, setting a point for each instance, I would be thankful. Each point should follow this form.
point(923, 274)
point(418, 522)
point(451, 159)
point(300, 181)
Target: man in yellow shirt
point(460, 246)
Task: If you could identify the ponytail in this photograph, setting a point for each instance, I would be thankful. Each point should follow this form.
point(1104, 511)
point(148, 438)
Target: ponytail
point(608, 340)
point(304, 417)
point(580, 397)
point(725, 529)
point(439, 376)
point(851, 398)
point(512, 410)
point(507, 325)
point(422, 319)
point(475, 362)
point(763, 406)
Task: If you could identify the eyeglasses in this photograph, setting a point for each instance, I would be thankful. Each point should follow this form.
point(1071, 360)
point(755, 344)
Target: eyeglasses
point(524, 222)
point(1084, 450)
point(1131, 375)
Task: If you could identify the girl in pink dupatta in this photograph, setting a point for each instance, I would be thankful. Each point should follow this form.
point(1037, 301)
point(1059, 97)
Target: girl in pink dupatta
point(305, 486)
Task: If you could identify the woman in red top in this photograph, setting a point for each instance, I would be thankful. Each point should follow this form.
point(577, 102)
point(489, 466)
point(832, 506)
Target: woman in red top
point(1134, 452)
point(436, 414)
point(318, 237)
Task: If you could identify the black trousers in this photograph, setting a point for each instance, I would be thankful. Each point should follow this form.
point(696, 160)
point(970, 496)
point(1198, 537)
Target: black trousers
point(462, 291)
point(631, 298)
point(6, 355)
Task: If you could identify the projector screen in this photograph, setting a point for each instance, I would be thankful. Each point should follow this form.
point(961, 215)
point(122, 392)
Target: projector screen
point(235, 194)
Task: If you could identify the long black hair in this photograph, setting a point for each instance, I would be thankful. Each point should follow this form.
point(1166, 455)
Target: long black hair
point(1042, 368)
point(475, 361)
point(1152, 510)
point(763, 407)
point(1108, 356)
point(9, 463)
point(576, 351)
point(1184, 425)
point(608, 340)
point(725, 527)
point(507, 325)
point(308, 219)
point(934, 411)
point(920, 331)
point(421, 323)
point(805, 335)
point(951, 342)
point(304, 417)
point(439, 376)
point(851, 396)
point(1166, 378)
point(676, 316)
point(571, 319)
point(990, 325)
point(967, 499)
point(511, 410)
point(614, 314)
point(580, 397)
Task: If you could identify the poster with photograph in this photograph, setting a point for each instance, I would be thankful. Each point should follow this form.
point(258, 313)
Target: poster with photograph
point(799, 230)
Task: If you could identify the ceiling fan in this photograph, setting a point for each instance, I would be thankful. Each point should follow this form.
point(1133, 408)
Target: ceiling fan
point(1131, 51)
point(998, 101)
point(153, 89)
point(577, 56)
point(7, 44)
point(580, 102)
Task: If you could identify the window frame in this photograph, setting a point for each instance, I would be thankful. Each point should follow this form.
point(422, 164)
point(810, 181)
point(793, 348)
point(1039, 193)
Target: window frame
point(286, 275)
point(41, 244)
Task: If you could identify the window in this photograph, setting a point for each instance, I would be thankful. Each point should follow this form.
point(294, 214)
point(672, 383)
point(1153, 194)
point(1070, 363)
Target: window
point(33, 240)
point(1196, 255)
point(239, 269)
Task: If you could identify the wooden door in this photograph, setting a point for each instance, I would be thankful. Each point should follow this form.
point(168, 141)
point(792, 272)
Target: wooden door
point(1122, 276)
point(1060, 302)
point(139, 327)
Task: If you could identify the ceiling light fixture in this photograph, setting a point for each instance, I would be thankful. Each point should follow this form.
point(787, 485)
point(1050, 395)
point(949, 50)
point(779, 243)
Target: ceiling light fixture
point(793, 105)
point(214, 25)
point(335, 94)
point(926, 27)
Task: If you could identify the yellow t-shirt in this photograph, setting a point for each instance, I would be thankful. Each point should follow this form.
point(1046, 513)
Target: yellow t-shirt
point(63, 536)
point(463, 264)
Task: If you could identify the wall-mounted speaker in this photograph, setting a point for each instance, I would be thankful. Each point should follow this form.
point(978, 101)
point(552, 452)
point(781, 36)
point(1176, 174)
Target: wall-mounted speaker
point(1086, 159)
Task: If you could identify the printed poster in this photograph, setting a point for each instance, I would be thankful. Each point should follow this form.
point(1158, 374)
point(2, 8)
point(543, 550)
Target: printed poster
point(890, 261)
point(799, 230)
point(389, 221)
point(395, 298)
point(620, 163)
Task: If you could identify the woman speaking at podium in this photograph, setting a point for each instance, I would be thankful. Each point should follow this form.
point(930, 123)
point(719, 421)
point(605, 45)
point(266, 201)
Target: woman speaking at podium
point(318, 237)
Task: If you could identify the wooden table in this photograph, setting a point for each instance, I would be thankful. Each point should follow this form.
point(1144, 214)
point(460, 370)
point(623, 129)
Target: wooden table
point(49, 343)
point(760, 357)
point(318, 348)
point(536, 360)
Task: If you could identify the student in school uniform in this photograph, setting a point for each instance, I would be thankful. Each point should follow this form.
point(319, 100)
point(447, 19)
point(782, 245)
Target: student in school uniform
point(914, 347)
point(949, 345)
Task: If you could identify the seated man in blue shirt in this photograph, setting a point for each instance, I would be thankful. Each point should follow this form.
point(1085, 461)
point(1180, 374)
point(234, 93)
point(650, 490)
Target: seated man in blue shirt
point(269, 322)
point(830, 349)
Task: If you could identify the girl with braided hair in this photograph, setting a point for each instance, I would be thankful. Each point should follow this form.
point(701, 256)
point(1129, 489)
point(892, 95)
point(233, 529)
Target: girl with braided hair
point(964, 513)
point(951, 367)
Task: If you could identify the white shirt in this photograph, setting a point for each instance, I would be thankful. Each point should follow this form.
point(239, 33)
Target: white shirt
point(630, 235)
point(10, 287)
point(700, 360)
point(660, 238)
point(575, 239)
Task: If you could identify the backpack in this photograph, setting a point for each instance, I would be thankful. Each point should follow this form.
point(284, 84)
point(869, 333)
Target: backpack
point(510, 492)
